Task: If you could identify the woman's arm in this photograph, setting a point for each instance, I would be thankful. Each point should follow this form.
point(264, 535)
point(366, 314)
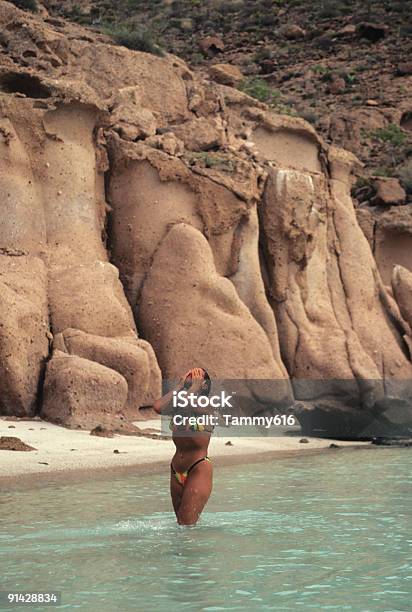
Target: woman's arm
point(196, 382)
point(160, 406)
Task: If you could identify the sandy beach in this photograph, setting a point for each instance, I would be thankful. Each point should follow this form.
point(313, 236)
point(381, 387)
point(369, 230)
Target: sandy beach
point(77, 454)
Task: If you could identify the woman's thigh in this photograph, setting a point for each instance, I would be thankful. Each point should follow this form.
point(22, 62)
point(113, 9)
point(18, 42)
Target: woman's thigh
point(196, 492)
point(176, 492)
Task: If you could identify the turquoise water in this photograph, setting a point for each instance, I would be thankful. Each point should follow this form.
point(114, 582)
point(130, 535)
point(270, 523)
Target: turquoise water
point(325, 532)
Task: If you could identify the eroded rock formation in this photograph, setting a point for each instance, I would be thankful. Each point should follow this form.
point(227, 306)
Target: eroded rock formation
point(152, 221)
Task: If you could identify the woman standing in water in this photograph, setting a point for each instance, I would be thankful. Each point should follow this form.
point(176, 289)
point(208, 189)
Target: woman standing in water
point(191, 469)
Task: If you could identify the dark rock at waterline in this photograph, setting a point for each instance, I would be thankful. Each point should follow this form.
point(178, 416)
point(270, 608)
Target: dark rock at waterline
point(332, 419)
point(102, 432)
point(14, 444)
point(402, 442)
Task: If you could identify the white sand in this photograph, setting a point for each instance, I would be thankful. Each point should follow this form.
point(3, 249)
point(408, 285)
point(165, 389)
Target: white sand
point(77, 452)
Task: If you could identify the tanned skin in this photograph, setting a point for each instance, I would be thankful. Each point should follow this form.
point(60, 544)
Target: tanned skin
point(190, 499)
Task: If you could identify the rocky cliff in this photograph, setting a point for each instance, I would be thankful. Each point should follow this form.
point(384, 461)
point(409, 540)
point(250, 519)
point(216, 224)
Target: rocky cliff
point(152, 220)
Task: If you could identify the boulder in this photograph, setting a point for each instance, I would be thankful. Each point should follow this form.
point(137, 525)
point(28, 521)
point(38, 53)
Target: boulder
point(389, 191)
point(200, 134)
point(10, 443)
point(346, 422)
point(82, 394)
point(349, 127)
point(372, 31)
point(226, 74)
point(211, 45)
point(347, 31)
point(102, 432)
point(129, 356)
point(293, 32)
point(129, 116)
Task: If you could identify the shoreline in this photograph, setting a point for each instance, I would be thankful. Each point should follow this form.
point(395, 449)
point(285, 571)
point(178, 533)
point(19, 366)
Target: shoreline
point(63, 456)
point(72, 476)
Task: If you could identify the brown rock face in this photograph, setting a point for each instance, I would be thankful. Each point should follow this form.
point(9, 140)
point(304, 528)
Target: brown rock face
point(226, 74)
point(133, 358)
point(24, 343)
point(388, 191)
point(402, 288)
point(392, 241)
point(80, 393)
point(138, 198)
point(185, 259)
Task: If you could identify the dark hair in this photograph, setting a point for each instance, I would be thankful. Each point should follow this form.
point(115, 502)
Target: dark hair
point(208, 381)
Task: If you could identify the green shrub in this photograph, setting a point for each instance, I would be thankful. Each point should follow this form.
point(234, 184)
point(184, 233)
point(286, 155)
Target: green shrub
point(392, 134)
point(29, 5)
point(228, 7)
point(263, 53)
point(217, 161)
point(197, 58)
point(259, 89)
point(350, 78)
point(319, 69)
point(310, 116)
point(363, 188)
point(405, 30)
point(362, 182)
point(135, 39)
point(326, 76)
point(329, 9)
point(383, 171)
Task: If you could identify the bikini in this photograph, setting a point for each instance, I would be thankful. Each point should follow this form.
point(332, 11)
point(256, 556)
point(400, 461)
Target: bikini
point(181, 477)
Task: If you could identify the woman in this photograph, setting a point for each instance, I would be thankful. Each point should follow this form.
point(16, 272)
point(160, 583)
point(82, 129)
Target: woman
point(191, 469)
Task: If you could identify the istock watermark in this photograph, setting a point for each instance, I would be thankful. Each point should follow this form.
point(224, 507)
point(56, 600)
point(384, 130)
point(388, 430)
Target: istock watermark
point(183, 399)
point(230, 407)
point(329, 408)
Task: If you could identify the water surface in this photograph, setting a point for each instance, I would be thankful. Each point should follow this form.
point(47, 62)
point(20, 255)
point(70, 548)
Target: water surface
point(325, 532)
